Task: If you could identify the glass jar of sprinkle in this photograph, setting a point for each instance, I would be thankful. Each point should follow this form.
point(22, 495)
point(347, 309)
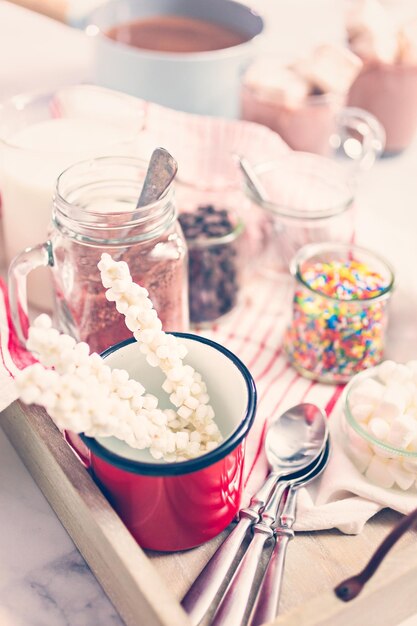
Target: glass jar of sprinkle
point(339, 314)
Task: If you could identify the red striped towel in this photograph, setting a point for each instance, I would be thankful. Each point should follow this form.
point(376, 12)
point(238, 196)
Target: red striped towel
point(254, 331)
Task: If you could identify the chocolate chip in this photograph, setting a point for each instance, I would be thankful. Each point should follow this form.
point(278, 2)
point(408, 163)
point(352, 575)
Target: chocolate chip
point(213, 269)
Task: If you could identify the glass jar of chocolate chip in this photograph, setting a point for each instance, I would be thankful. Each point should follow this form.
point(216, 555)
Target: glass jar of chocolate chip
point(213, 236)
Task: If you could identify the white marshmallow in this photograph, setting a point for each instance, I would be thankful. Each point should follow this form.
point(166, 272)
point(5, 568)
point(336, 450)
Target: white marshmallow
point(272, 81)
point(379, 472)
point(379, 428)
point(411, 394)
point(360, 450)
point(410, 465)
point(182, 440)
point(210, 413)
point(401, 374)
point(384, 371)
point(192, 403)
point(397, 395)
point(331, 68)
point(403, 431)
point(404, 479)
point(412, 366)
point(411, 411)
point(365, 15)
point(184, 412)
point(388, 411)
point(175, 374)
point(381, 451)
point(372, 34)
point(367, 391)
point(412, 446)
point(362, 412)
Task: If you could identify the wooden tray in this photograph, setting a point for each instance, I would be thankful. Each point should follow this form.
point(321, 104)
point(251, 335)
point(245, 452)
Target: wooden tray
point(146, 588)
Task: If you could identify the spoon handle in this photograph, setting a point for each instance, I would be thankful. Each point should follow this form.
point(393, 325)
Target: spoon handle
point(232, 608)
point(235, 601)
point(267, 602)
point(261, 497)
point(271, 510)
point(204, 589)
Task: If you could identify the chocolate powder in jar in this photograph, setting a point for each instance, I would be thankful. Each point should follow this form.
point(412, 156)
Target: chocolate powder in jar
point(96, 319)
point(174, 33)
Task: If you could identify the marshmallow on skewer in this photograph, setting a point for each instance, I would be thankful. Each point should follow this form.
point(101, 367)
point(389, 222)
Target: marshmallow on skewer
point(187, 391)
point(82, 394)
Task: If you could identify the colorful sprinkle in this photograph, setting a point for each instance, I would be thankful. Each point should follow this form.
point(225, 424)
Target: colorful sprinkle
point(338, 324)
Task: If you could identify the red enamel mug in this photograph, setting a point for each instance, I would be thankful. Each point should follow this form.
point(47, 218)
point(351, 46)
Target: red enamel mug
point(176, 506)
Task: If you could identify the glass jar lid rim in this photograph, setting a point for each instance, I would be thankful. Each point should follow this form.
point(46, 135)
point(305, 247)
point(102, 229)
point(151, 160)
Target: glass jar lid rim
point(204, 242)
point(121, 160)
point(313, 249)
point(21, 100)
point(284, 210)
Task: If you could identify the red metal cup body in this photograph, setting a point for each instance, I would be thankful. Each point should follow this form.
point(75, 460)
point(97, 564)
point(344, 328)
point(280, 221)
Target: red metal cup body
point(174, 512)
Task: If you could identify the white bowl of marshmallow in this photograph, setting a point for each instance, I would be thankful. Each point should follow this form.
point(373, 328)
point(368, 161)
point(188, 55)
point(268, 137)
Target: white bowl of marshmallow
point(380, 424)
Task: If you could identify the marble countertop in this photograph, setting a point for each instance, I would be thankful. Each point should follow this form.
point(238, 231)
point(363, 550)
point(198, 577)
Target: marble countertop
point(43, 579)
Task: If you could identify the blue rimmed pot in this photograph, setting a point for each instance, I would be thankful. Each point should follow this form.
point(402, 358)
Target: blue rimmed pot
point(175, 506)
point(195, 82)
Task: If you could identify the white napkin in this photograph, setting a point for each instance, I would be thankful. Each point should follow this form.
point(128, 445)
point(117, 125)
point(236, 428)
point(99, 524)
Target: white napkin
point(343, 498)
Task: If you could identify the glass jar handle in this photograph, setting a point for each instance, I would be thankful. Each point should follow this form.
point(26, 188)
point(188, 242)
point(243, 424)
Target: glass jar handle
point(359, 137)
point(20, 267)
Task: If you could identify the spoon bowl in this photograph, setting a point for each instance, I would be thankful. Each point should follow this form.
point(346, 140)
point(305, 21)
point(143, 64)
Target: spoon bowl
point(162, 170)
point(293, 443)
point(314, 470)
point(296, 439)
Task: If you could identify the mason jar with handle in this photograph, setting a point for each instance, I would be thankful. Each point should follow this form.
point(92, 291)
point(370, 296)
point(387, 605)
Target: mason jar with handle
point(319, 123)
point(94, 211)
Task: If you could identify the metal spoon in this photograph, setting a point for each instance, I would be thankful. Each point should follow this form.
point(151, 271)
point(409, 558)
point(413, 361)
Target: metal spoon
point(251, 179)
point(293, 442)
point(161, 172)
point(267, 602)
point(234, 603)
